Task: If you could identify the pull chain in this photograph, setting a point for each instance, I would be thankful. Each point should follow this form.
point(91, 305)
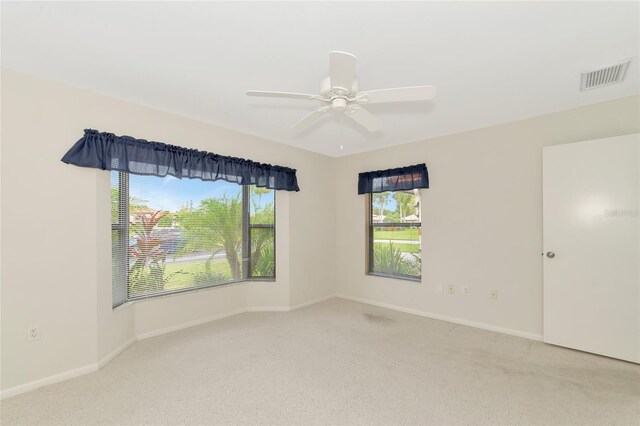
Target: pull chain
point(341, 116)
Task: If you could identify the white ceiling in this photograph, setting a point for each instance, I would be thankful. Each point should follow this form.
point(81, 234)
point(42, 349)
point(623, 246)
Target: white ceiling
point(492, 62)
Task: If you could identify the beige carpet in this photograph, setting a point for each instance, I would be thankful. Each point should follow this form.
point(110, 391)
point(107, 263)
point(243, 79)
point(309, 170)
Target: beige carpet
point(340, 362)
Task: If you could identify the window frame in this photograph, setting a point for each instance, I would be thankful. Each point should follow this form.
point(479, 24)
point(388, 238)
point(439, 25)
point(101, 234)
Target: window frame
point(246, 233)
point(370, 242)
point(122, 227)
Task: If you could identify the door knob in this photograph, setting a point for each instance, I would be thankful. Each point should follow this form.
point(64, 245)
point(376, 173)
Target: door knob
point(551, 254)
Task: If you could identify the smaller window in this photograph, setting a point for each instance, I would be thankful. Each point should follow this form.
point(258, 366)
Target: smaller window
point(261, 234)
point(395, 234)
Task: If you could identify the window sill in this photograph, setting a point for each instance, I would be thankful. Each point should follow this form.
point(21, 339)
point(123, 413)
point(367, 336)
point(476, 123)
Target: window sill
point(122, 306)
point(397, 277)
point(260, 280)
point(133, 300)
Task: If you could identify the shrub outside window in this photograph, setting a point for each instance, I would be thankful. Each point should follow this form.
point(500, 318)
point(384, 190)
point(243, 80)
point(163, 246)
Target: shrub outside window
point(395, 235)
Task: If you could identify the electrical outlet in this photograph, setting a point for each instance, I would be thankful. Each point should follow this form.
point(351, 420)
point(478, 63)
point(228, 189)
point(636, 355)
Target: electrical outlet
point(33, 333)
point(466, 291)
point(493, 294)
point(451, 288)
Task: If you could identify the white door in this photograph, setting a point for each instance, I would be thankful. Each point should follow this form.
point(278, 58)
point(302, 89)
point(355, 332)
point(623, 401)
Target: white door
point(591, 196)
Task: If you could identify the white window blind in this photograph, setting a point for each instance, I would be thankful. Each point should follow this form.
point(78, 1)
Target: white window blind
point(171, 235)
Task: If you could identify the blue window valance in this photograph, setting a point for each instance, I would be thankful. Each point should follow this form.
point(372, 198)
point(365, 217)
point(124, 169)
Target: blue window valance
point(398, 179)
point(107, 151)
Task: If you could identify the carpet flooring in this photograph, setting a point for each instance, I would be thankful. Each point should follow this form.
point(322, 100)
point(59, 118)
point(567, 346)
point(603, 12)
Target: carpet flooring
point(339, 362)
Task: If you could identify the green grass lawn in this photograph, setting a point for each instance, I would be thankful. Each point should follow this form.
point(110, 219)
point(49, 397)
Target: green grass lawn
point(189, 269)
point(408, 248)
point(404, 234)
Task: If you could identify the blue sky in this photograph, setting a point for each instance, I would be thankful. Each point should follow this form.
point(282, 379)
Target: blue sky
point(389, 205)
point(169, 193)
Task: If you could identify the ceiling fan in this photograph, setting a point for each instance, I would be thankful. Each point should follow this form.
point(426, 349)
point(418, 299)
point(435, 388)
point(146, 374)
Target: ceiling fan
point(341, 94)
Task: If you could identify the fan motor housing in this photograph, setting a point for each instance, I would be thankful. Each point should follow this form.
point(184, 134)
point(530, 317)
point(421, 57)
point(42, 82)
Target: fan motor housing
point(329, 92)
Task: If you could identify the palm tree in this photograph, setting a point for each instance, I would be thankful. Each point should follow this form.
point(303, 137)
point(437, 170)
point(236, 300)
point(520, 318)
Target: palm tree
point(404, 202)
point(217, 224)
point(380, 200)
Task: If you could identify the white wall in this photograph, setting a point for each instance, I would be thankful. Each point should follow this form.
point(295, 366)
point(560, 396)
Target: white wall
point(482, 217)
point(56, 231)
point(48, 273)
point(482, 226)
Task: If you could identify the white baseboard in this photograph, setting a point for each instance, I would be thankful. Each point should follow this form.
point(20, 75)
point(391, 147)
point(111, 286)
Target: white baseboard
point(66, 375)
point(70, 374)
point(313, 302)
point(268, 309)
point(117, 351)
point(188, 324)
point(228, 314)
point(290, 308)
point(518, 333)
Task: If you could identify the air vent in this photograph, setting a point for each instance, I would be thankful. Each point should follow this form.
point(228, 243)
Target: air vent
point(605, 76)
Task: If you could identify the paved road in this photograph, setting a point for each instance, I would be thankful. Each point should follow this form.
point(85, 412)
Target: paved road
point(203, 256)
point(398, 241)
point(195, 257)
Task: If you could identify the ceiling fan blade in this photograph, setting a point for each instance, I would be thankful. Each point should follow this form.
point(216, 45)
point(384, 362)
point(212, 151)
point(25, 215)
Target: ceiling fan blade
point(397, 94)
point(310, 118)
point(363, 118)
point(268, 94)
point(342, 67)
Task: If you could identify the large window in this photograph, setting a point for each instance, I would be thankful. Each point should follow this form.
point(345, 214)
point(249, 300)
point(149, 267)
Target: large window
point(171, 235)
point(395, 234)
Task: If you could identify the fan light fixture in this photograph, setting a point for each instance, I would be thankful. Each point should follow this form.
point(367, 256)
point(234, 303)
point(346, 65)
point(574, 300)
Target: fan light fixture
point(341, 93)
